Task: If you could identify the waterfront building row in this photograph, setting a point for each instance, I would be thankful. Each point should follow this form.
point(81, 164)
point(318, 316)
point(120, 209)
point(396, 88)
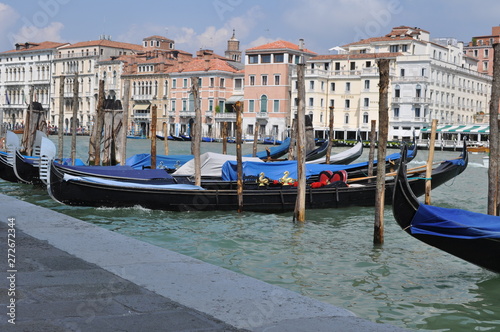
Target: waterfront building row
point(430, 79)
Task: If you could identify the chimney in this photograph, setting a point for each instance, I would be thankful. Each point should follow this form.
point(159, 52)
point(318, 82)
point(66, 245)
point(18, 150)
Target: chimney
point(301, 44)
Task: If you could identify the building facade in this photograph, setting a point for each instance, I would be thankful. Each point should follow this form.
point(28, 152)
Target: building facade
point(429, 79)
point(481, 48)
point(268, 70)
point(26, 69)
point(80, 62)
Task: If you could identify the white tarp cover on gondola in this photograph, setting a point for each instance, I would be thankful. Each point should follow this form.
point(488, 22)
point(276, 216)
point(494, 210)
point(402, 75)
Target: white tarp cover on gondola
point(211, 164)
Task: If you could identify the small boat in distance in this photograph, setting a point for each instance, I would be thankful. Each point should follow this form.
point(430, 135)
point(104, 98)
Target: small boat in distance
point(474, 237)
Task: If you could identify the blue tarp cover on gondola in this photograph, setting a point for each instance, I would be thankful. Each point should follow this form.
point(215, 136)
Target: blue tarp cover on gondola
point(275, 170)
point(455, 223)
point(123, 172)
point(143, 160)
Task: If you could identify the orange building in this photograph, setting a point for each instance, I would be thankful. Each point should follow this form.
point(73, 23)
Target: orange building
point(481, 47)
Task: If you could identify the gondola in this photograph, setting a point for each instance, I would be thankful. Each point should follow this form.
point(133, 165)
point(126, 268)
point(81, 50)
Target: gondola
point(6, 169)
point(473, 237)
point(344, 157)
point(275, 152)
point(318, 153)
point(261, 195)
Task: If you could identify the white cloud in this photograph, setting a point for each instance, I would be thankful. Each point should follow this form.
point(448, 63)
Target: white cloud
point(343, 20)
point(51, 32)
point(8, 17)
point(215, 38)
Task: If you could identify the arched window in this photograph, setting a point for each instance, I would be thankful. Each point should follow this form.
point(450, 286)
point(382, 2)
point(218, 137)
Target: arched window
point(263, 103)
point(346, 118)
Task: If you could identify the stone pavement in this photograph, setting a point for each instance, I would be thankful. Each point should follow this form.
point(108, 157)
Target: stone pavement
point(70, 275)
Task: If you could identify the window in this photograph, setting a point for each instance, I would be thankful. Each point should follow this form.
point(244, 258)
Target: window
point(238, 83)
point(212, 82)
point(145, 44)
point(279, 58)
point(353, 65)
point(276, 79)
point(417, 112)
point(211, 105)
point(152, 43)
point(251, 79)
point(368, 64)
point(185, 83)
point(346, 118)
point(253, 58)
point(347, 86)
point(332, 86)
point(311, 102)
point(263, 103)
point(486, 53)
point(222, 82)
point(418, 91)
point(221, 106)
point(251, 106)
point(396, 112)
point(250, 129)
point(311, 85)
point(366, 102)
point(423, 72)
point(173, 105)
point(337, 65)
point(365, 117)
point(485, 65)
point(347, 103)
point(402, 72)
point(184, 105)
point(394, 48)
point(397, 92)
point(404, 48)
point(174, 83)
point(265, 58)
point(276, 106)
point(264, 79)
point(200, 80)
point(367, 84)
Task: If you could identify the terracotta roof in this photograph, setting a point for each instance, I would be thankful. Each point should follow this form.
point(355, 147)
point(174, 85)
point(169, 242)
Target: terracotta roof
point(158, 37)
point(356, 56)
point(106, 43)
point(279, 45)
point(379, 39)
point(203, 65)
point(38, 46)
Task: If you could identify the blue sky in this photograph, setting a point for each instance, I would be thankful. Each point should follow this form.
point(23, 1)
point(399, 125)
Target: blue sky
point(196, 24)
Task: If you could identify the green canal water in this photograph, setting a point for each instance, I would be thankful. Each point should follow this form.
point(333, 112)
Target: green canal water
point(331, 257)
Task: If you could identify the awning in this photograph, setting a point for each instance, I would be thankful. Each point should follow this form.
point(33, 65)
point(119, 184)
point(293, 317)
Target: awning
point(234, 98)
point(141, 107)
point(471, 129)
point(459, 129)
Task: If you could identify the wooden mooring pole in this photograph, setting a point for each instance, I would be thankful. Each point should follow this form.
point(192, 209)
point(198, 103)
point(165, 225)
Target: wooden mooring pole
point(224, 137)
point(60, 128)
point(165, 147)
point(95, 139)
point(255, 139)
point(493, 168)
point(74, 119)
point(123, 139)
point(430, 160)
point(373, 142)
point(300, 204)
point(383, 128)
point(196, 130)
point(330, 136)
point(239, 156)
point(154, 117)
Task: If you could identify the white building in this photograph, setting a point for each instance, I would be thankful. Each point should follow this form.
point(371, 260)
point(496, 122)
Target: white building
point(429, 79)
point(28, 66)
